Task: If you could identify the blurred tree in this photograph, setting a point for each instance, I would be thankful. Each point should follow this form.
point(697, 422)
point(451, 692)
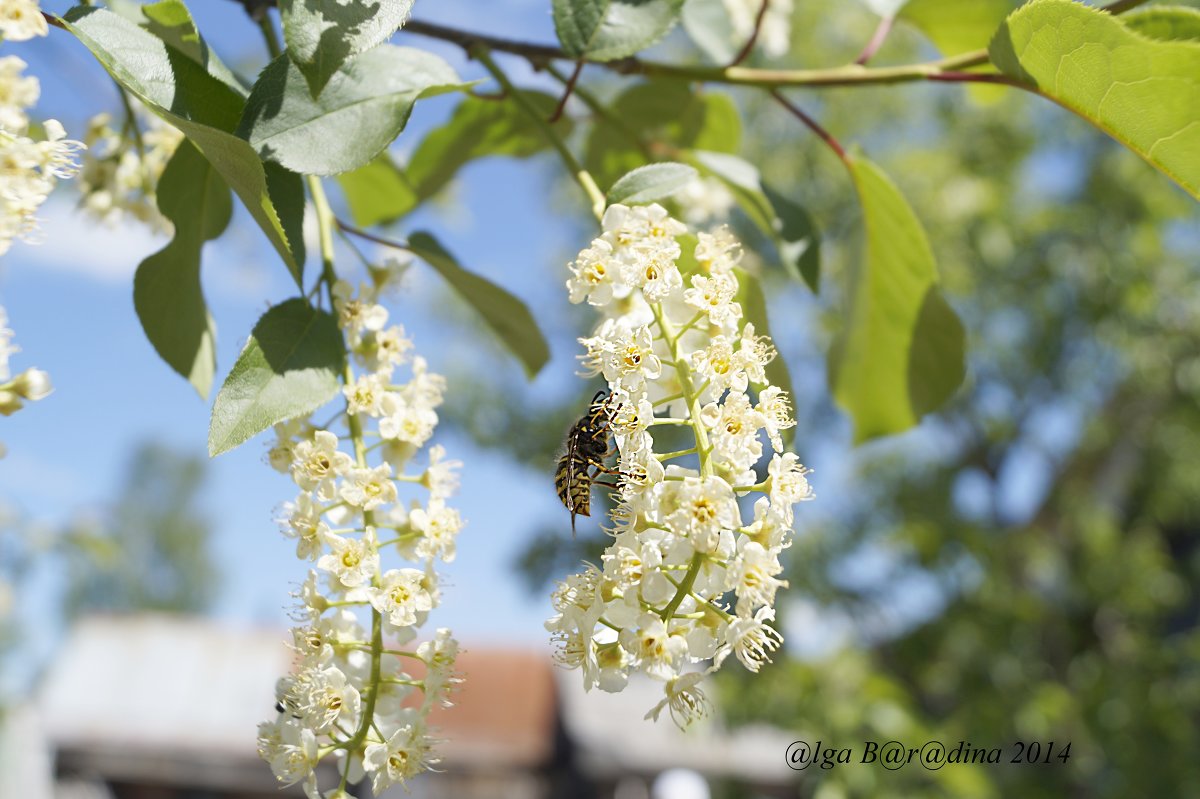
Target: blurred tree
point(1026, 565)
point(151, 551)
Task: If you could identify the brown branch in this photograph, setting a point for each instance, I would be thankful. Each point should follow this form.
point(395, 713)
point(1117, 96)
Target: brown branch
point(569, 87)
point(744, 53)
point(811, 123)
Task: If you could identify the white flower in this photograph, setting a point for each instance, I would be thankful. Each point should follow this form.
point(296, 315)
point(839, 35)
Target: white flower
point(290, 749)
point(756, 583)
point(302, 521)
point(595, 275)
point(21, 20)
point(438, 526)
point(441, 477)
point(720, 368)
point(405, 754)
point(776, 411)
point(352, 561)
point(317, 461)
point(369, 488)
point(659, 653)
point(406, 421)
point(355, 315)
point(703, 508)
point(402, 596)
point(685, 699)
point(386, 349)
point(788, 480)
point(753, 640)
point(365, 395)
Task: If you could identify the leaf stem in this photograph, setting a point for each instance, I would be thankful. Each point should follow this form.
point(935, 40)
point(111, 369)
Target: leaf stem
point(811, 124)
point(581, 175)
point(744, 53)
point(877, 40)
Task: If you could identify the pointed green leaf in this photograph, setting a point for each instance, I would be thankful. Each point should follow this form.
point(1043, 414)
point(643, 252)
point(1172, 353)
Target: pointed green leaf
point(381, 192)
point(180, 91)
point(603, 30)
point(708, 24)
point(289, 367)
point(900, 354)
point(651, 182)
point(322, 35)
point(1143, 92)
point(170, 21)
point(363, 108)
point(504, 313)
point(166, 289)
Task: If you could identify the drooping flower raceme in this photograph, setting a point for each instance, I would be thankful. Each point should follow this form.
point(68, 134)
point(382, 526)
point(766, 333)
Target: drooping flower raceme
point(30, 385)
point(29, 166)
point(361, 689)
point(692, 572)
point(120, 174)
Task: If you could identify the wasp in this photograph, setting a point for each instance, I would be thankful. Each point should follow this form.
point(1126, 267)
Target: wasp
point(587, 446)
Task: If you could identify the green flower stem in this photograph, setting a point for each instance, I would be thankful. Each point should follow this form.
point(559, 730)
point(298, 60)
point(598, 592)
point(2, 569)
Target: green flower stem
point(691, 397)
point(325, 227)
point(581, 175)
point(679, 453)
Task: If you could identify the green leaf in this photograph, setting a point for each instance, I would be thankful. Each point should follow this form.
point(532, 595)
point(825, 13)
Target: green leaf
point(289, 368)
point(754, 307)
point(956, 27)
point(901, 352)
point(708, 24)
point(660, 113)
point(603, 30)
point(652, 182)
point(1143, 92)
point(166, 289)
point(506, 315)
point(322, 35)
point(363, 108)
point(170, 21)
point(480, 128)
point(381, 192)
point(378, 192)
point(1165, 22)
point(796, 237)
point(180, 91)
point(786, 222)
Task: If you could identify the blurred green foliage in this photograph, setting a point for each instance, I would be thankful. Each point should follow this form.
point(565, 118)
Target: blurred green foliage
point(1025, 566)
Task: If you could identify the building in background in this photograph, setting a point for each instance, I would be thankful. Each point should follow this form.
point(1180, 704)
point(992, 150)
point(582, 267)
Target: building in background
point(166, 707)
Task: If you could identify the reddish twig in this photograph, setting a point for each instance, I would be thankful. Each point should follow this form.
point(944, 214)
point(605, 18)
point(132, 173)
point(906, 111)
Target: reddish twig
point(744, 53)
point(877, 39)
point(811, 124)
point(570, 87)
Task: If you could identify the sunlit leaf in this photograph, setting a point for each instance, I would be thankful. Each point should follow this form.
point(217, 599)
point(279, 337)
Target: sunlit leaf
point(900, 354)
point(651, 182)
point(166, 289)
point(504, 313)
point(378, 192)
point(363, 107)
point(289, 367)
point(1142, 91)
point(658, 115)
point(607, 29)
point(322, 35)
point(207, 110)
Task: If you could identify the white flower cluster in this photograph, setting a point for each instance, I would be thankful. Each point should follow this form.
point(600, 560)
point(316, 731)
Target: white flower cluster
point(361, 690)
point(31, 385)
point(775, 34)
point(29, 167)
point(120, 175)
point(687, 579)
